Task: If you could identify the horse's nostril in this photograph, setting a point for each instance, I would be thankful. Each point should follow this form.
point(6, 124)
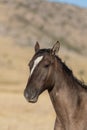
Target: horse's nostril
point(26, 94)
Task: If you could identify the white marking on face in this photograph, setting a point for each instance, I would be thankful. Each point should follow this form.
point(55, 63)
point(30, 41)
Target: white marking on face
point(36, 62)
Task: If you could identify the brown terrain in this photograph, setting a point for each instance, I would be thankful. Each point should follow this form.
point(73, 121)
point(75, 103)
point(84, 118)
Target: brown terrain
point(22, 23)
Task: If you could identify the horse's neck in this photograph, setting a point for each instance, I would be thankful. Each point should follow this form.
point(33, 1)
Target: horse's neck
point(64, 99)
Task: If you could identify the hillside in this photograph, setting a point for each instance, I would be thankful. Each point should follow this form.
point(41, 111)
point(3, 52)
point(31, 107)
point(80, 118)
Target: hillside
point(27, 21)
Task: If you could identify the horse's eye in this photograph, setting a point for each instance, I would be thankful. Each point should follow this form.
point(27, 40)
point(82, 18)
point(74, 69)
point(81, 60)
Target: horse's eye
point(46, 66)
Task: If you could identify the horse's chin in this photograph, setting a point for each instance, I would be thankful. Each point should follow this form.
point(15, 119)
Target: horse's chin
point(33, 100)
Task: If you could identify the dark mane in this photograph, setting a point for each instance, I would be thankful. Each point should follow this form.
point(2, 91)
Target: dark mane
point(65, 69)
point(69, 72)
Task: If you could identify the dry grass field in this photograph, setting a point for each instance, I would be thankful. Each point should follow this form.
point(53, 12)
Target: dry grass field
point(15, 112)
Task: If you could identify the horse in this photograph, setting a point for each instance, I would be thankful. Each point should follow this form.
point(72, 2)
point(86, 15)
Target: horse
point(67, 93)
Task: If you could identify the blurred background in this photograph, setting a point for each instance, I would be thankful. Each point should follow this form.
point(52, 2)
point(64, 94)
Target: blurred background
point(22, 23)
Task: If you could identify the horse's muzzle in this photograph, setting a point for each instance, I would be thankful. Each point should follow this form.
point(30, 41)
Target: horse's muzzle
point(31, 97)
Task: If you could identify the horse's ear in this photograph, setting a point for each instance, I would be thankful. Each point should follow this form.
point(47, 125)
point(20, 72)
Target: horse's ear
point(55, 48)
point(37, 47)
